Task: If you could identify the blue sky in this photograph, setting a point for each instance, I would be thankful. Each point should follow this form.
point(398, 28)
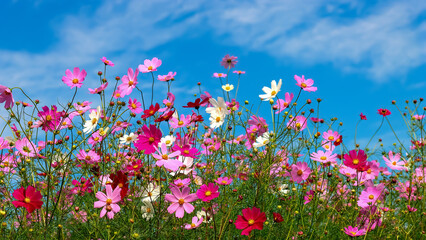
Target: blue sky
point(361, 54)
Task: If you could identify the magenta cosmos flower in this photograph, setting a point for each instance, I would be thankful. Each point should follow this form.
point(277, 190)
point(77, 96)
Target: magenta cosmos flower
point(108, 202)
point(354, 231)
point(300, 172)
point(150, 65)
point(306, 85)
point(75, 78)
point(229, 61)
point(384, 112)
point(252, 218)
point(208, 192)
point(180, 201)
point(149, 140)
point(28, 198)
point(283, 103)
point(6, 97)
point(49, 118)
point(107, 62)
point(134, 106)
point(356, 160)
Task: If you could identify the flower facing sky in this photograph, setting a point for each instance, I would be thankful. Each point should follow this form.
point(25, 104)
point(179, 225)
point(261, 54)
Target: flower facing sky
point(208, 192)
point(251, 219)
point(149, 65)
point(306, 85)
point(180, 201)
point(272, 92)
point(74, 78)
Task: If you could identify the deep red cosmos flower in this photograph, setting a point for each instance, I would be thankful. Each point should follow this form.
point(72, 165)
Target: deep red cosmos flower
point(277, 217)
point(196, 104)
point(28, 198)
point(384, 112)
point(363, 117)
point(356, 160)
point(151, 111)
point(120, 180)
point(165, 116)
point(252, 218)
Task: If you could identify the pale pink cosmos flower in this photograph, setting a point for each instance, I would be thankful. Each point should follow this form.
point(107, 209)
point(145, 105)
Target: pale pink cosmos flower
point(129, 82)
point(219, 75)
point(283, 103)
point(300, 172)
point(229, 61)
point(181, 182)
point(394, 163)
point(108, 202)
point(306, 85)
point(75, 78)
point(324, 157)
point(369, 196)
point(195, 223)
point(223, 181)
point(180, 122)
point(26, 147)
point(180, 201)
point(169, 102)
point(239, 72)
point(297, 123)
point(135, 106)
point(418, 117)
point(169, 77)
point(99, 89)
point(150, 65)
point(166, 159)
point(107, 62)
point(90, 157)
point(6, 97)
point(330, 135)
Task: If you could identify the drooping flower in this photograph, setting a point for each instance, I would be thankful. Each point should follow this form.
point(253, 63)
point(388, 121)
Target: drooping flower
point(28, 198)
point(208, 192)
point(149, 140)
point(108, 202)
point(306, 85)
point(251, 219)
point(384, 112)
point(283, 103)
point(6, 97)
point(195, 223)
point(229, 61)
point(91, 124)
point(107, 62)
point(354, 231)
point(356, 159)
point(150, 65)
point(272, 92)
point(180, 201)
point(75, 78)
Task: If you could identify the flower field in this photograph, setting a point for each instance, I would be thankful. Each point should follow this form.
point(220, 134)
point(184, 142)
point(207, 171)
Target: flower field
point(133, 164)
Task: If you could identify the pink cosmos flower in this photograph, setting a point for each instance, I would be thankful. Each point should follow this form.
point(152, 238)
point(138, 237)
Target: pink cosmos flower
point(208, 192)
point(6, 97)
point(169, 102)
point(149, 140)
point(169, 77)
point(368, 197)
point(90, 157)
point(297, 123)
point(183, 121)
point(283, 103)
point(195, 223)
point(95, 138)
point(180, 201)
point(219, 75)
point(99, 89)
point(107, 62)
point(82, 186)
point(354, 231)
point(167, 159)
point(223, 181)
point(228, 61)
point(26, 147)
point(324, 157)
point(330, 135)
point(129, 82)
point(182, 182)
point(135, 106)
point(418, 117)
point(239, 72)
point(362, 116)
point(28, 198)
point(75, 78)
point(394, 163)
point(251, 219)
point(306, 85)
point(300, 172)
point(108, 202)
point(150, 65)
point(309, 196)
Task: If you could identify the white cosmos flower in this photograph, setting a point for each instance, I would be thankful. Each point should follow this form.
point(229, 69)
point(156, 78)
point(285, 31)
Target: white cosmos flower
point(262, 140)
point(127, 139)
point(91, 124)
point(151, 193)
point(168, 140)
point(216, 120)
point(147, 210)
point(219, 107)
point(228, 87)
point(272, 92)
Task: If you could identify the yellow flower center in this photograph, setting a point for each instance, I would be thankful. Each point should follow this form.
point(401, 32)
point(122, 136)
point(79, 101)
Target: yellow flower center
point(303, 85)
point(134, 106)
point(224, 182)
point(181, 201)
point(208, 193)
point(331, 138)
point(251, 222)
point(323, 158)
point(130, 83)
point(355, 161)
point(150, 68)
point(108, 201)
point(151, 140)
point(218, 119)
point(165, 156)
point(148, 210)
point(273, 93)
point(48, 118)
point(120, 185)
point(371, 197)
point(300, 172)
point(192, 225)
point(369, 171)
point(94, 121)
point(75, 81)
point(394, 163)
point(180, 122)
point(129, 139)
point(27, 200)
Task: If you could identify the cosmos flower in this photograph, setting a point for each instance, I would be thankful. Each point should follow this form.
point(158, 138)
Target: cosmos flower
point(6, 97)
point(229, 61)
point(180, 201)
point(208, 192)
point(150, 65)
point(28, 198)
point(251, 219)
point(107, 62)
point(306, 85)
point(195, 223)
point(272, 92)
point(108, 202)
point(149, 140)
point(75, 78)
